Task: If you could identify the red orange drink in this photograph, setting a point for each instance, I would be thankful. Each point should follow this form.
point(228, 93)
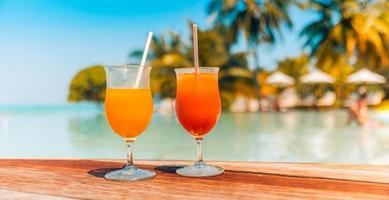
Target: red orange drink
point(198, 105)
point(198, 109)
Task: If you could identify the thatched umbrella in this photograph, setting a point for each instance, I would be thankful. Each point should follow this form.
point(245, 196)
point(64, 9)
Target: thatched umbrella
point(317, 76)
point(365, 76)
point(280, 79)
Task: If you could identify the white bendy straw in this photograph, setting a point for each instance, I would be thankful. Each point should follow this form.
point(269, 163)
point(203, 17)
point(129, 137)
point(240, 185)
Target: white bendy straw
point(143, 62)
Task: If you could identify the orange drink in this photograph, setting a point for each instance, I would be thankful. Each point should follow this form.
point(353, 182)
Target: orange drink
point(128, 111)
point(198, 105)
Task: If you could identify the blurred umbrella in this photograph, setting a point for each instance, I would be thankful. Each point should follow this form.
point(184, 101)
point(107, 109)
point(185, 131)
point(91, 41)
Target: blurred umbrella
point(365, 76)
point(279, 79)
point(317, 76)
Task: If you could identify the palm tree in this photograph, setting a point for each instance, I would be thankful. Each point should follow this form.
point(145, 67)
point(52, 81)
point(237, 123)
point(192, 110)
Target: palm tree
point(258, 20)
point(377, 24)
point(317, 31)
point(360, 34)
point(214, 50)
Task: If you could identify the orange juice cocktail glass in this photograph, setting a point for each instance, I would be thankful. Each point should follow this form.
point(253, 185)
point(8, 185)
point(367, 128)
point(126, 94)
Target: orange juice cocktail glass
point(128, 109)
point(198, 109)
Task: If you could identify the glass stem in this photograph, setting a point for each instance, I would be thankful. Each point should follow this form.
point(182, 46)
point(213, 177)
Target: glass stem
point(199, 142)
point(130, 159)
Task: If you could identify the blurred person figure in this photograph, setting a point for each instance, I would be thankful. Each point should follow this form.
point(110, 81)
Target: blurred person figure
point(358, 112)
point(264, 104)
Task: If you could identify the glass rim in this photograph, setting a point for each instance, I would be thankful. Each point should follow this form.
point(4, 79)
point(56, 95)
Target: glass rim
point(192, 69)
point(127, 66)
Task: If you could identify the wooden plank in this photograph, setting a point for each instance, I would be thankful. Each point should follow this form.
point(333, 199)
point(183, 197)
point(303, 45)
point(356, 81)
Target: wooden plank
point(83, 179)
point(354, 172)
point(11, 195)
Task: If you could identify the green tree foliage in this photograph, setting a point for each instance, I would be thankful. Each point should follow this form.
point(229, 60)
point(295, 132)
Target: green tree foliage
point(340, 70)
point(260, 21)
point(88, 85)
point(360, 33)
point(316, 32)
point(235, 79)
point(294, 67)
point(213, 49)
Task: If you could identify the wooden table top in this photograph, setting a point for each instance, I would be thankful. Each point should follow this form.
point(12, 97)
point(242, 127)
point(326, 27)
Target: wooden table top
point(82, 179)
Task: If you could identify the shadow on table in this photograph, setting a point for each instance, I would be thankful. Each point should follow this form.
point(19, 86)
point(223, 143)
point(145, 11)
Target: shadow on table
point(169, 168)
point(100, 173)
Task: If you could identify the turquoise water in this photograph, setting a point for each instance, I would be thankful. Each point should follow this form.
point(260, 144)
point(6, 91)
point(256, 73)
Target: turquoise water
point(80, 131)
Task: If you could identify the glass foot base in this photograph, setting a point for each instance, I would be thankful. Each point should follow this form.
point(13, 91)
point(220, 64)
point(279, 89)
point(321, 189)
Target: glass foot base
point(200, 169)
point(130, 173)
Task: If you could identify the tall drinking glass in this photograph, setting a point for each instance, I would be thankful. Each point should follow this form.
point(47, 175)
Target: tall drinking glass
point(198, 109)
point(128, 109)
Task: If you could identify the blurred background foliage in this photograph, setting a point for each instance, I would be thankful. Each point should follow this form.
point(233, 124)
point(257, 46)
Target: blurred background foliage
point(347, 35)
point(88, 85)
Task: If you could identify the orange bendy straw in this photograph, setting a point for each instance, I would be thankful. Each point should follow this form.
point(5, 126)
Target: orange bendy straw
point(195, 48)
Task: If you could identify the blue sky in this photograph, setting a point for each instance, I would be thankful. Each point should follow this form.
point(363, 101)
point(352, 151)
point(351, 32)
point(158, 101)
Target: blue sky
point(43, 43)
